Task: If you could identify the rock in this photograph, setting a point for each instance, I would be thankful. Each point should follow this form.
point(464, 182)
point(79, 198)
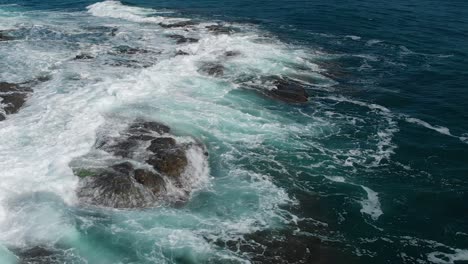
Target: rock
point(113, 32)
point(232, 53)
point(4, 36)
point(150, 180)
point(181, 39)
point(83, 56)
point(114, 189)
point(13, 97)
point(141, 126)
point(220, 29)
point(178, 24)
point(37, 255)
point(213, 69)
point(169, 158)
point(285, 247)
point(145, 158)
point(162, 143)
point(289, 91)
point(181, 53)
point(129, 50)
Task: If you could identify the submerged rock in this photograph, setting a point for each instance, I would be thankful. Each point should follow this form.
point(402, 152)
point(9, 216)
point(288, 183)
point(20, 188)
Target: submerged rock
point(129, 50)
point(213, 69)
point(282, 88)
point(285, 247)
point(231, 53)
point(220, 29)
point(181, 53)
point(289, 91)
point(177, 24)
point(4, 36)
point(83, 56)
point(149, 160)
point(12, 98)
point(181, 39)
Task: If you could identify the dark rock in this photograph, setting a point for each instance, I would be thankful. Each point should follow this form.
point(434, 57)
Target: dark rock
point(141, 137)
point(169, 158)
point(232, 53)
point(220, 29)
point(114, 189)
point(83, 56)
point(129, 183)
point(13, 97)
point(289, 91)
point(125, 167)
point(124, 148)
point(178, 24)
point(4, 36)
point(123, 62)
point(181, 53)
point(213, 69)
point(285, 247)
point(150, 180)
point(146, 127)
point(37, 255)
point(129, 50)
point(113, 32)
point(162, 143)
point(181, 39)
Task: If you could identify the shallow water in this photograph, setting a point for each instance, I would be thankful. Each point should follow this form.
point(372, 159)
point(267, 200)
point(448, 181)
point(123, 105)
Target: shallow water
point(374, 165)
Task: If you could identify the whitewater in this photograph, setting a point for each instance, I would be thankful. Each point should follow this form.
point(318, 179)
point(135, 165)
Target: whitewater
point(258, 146)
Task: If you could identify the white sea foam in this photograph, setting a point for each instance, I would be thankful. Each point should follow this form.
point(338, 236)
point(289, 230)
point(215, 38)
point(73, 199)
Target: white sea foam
point(371, 205)
point(445, 258)
point(116, 9)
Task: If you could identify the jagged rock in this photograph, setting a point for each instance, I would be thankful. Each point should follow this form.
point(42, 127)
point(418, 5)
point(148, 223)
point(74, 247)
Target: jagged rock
point(13, 96)
point(178, 24)
point(181, 39)
point(213, 69)
point(220, 29)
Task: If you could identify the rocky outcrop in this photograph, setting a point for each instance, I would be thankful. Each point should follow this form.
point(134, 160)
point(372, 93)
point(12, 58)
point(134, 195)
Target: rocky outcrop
point(147, 160)
point(12, 98)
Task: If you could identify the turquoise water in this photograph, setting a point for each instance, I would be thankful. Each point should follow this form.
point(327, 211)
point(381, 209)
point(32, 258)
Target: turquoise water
point(375, 164)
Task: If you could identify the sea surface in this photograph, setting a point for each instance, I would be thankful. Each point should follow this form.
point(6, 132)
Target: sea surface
point(374, 166)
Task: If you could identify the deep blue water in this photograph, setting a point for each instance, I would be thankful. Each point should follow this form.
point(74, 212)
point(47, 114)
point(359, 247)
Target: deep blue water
point(387, 116)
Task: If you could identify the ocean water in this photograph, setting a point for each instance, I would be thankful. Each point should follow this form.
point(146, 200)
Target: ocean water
point(375, 165)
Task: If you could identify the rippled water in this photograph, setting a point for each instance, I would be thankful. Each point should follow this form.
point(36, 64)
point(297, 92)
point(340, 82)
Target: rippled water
point(375, 164)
